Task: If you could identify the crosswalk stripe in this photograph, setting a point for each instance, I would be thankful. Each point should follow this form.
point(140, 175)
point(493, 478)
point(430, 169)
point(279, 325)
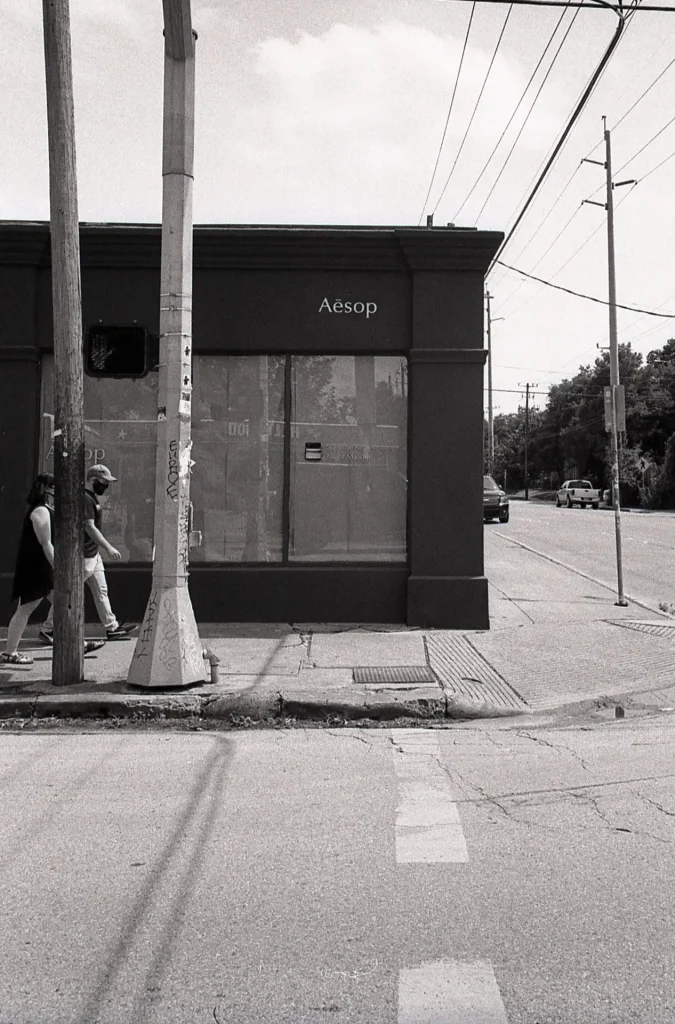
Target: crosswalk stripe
point(428, 829)
point(450, 992)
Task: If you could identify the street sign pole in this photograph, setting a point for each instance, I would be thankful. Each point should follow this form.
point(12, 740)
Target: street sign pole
point(168, 651)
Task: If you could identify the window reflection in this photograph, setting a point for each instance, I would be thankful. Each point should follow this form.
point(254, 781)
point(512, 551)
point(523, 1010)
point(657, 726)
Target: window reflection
point(349, 504)
point(348, 490)
point(237, 481)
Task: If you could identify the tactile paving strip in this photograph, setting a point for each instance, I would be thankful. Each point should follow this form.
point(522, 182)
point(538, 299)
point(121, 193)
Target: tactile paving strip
point(464, 670)
point(396, 675)
point(652, 628)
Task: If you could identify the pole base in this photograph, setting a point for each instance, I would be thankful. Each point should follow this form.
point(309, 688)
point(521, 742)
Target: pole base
point(168, 651)
point(621, 604)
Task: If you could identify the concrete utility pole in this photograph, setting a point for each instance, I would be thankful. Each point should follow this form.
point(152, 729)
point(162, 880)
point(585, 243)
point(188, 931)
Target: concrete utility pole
point(168, 650)
point(613, 351)
point(67, 665)
point(527, 387)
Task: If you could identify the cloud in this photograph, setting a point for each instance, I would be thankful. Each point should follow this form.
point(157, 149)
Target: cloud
point(363, 108)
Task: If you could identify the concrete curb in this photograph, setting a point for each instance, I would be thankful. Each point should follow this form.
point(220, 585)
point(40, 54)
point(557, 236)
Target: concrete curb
point(266, 706)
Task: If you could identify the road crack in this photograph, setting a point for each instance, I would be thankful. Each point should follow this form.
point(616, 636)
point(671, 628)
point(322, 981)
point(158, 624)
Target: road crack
point(554, 746)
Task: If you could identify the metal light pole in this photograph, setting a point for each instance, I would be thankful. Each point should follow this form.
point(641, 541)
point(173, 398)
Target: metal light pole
point(613, 351)
point(168, 651)
point(67, 665)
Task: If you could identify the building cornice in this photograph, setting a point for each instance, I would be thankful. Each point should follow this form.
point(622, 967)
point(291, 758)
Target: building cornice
point(264, 247)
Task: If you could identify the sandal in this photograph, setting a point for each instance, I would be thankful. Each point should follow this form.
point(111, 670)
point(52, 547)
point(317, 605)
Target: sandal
point(16, 658)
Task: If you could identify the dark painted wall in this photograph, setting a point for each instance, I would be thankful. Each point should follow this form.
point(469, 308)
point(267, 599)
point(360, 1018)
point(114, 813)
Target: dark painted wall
point(262, 289)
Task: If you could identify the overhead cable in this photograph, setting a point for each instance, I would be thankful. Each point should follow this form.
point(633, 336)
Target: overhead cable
point(510, 121)
point(647, 90)
point(590, 298)
point(447, 120)
point(473, 113)
point(595, 78)
point(642, 148)
point(569, 258)
point(596, 5)
point(665, 161)
point(532, 105)
point(543, 256)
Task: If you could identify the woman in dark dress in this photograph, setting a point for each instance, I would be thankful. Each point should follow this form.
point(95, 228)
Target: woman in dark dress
point(34, 573)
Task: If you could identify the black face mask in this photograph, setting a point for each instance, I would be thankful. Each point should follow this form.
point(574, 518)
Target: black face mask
point(99, 487)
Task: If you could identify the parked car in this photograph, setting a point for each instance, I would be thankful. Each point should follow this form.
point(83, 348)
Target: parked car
point(578, 492)
point(495, 502)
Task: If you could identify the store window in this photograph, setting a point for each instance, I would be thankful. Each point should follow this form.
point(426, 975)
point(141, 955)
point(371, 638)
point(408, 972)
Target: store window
point(237, 483)
point(348, 466)
point(343, 453)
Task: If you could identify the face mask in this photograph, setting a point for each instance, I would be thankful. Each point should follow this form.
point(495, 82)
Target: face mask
point(99, 487)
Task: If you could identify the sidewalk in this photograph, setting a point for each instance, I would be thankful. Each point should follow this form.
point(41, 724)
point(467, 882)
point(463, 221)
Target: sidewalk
point(556, 639)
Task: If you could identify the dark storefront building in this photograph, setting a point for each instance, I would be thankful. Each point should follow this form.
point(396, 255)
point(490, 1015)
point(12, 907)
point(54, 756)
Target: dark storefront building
point(337, 416)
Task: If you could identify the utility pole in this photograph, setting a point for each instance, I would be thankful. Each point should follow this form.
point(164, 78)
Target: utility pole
point(491, 436)
point(613, 350)
point(168, 651)
point(527, 387)
point(67, 664)
point(491, 426)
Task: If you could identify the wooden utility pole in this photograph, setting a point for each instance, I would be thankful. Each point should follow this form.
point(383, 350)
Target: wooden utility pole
point(527, 387)
point(491, 430)
point(168, 651)
point(67, 666)
point(613, 350)
point(491, 425)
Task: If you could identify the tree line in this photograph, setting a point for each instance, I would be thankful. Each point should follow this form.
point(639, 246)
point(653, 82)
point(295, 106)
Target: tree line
point(567, 438)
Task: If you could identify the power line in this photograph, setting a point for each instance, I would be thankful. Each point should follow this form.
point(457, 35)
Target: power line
point(590, 298)
point(670, 157)
point(647, 90)
point(544, 255)
point(642, 148)
point(623, 17)
point(567, 261)
point(598, 5)
point(473, 113)
point(515, 111)
point(447, 120)
point(522, 127)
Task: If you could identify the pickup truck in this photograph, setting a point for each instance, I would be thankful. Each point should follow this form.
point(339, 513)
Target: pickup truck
point(578, 492)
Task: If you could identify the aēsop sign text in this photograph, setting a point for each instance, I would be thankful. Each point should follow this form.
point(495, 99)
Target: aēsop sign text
point(366, 309)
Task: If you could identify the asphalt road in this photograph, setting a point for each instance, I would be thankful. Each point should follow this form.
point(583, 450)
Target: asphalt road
point(586, 540)
point(492, 874)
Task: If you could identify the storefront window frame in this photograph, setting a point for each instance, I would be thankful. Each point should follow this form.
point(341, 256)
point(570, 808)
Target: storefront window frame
point(286, 560)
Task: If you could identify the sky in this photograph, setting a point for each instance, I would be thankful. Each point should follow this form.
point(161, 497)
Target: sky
point(333, 112)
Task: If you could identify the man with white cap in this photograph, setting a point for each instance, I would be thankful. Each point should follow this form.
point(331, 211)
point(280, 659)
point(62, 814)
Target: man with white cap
point(99, 479)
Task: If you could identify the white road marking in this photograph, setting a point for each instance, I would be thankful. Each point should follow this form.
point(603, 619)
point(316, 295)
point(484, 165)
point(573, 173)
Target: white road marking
point(428, 828)
point(450, 992)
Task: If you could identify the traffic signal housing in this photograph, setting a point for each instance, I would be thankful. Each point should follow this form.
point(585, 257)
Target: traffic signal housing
point(119, 350)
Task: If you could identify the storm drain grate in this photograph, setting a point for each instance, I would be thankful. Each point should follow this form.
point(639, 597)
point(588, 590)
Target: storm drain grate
point(650, 628)
point(463, 670)
point(396, 675)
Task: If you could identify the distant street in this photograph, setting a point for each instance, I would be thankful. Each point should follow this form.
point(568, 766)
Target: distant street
point(484, 874)
point(585, 539)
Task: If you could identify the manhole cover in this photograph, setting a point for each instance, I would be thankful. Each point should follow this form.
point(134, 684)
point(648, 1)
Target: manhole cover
point(650, 628)
point(396, 675)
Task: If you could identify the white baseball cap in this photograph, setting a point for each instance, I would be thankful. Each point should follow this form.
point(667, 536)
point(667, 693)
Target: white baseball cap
point(100, 472)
